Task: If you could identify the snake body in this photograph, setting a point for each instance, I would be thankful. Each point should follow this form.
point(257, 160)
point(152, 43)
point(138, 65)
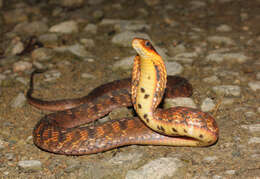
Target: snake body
point(62, 133)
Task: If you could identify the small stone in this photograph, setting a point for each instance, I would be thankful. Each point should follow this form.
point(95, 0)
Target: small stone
point(91, 28)
point(126, 158)
point(126, 63)
point(230, 172)
point(76, 49)
point(73, 165)
point(21, 66)
point(244, 16)
point(42, 54)
point(212, 80)
point(221, 40)
point(15, 16)
point(52, 75)
point(224, 28)
point(66, 27)
point(254, 85)
point(71, 4)
point(252, 127)
point(258, 109)
point(179, 101)
point(258, 75)
point(22, 80)
point(254, 140)
point(18, 101)
point(3, 144)
point(87, 75)
point(227, 90)
point(197, 4)
point(152, 2)
point(17, 48)
point(95, 2)
point(98, 14)
point(30, 165)
point(227, 101)
point(186, 57)
point(210, 158)
point(125, 38)
point(88, 43)
point(173, 68)
point(48, 37)
point(34, 27)
point(207, 105)
point(156, 169)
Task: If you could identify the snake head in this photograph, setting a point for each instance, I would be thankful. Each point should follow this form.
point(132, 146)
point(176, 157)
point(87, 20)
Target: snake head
point(144, 48)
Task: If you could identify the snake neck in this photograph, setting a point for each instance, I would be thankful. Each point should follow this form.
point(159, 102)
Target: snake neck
point(148, 85)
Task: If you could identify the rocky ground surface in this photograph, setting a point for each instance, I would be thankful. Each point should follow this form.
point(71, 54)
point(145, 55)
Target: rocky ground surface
point(83, 44)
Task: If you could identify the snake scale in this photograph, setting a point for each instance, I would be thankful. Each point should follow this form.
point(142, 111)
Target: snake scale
point(63, 132)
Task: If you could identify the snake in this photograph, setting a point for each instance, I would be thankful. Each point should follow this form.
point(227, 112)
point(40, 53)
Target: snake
point(72, 129)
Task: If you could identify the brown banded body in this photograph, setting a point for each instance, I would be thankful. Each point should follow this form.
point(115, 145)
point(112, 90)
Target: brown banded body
point(61, 132)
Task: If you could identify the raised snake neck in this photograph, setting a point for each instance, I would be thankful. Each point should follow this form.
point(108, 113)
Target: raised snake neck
point(59, 132)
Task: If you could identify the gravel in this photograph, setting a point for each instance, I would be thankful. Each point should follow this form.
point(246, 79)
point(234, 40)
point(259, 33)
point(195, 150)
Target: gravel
point(88, 43)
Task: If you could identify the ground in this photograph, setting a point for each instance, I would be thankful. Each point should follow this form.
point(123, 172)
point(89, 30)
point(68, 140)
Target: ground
point(214, 44)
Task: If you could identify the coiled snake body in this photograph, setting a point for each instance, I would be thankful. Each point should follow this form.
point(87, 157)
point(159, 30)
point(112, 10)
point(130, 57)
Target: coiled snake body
point(61, 132)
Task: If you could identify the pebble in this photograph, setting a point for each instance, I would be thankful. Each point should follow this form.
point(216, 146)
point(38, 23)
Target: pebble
point(174, 50)
point(258, 75)
point(179, 101)
point(219, 57)
point(125, 64)
point(17, 48)
point(207, 105)
point(91, 28)
point(210, 158)
point(71, 3)
point(227, 90)
point(22, 66)
point(254, 85)
point(2, 144)
point(173, 68)
point(125, 38)
point(230, 172)
point(34, 27)
point(51, 37)
point(126, 158)
point(52, 75)
point(42, 54)
point(252, 127)
point(224, 28)
point(87, 75)
point(18, 101)
point(66, 27)
point(72, 165)
point(151, 2)
point(156, 169)
point(76, 49)
point(30, 165)
point(98, 14)
point(258, 109)
point(88, 43)
point(22, 80)
point(255, 140)
point(212, 80)
point(15, 16)
point(186, 57)
point(95, 2)
point(197, 4)
point(221, 40)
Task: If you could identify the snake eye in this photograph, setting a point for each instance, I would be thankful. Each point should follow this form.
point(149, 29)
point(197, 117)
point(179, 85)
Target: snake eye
point(148, 44)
